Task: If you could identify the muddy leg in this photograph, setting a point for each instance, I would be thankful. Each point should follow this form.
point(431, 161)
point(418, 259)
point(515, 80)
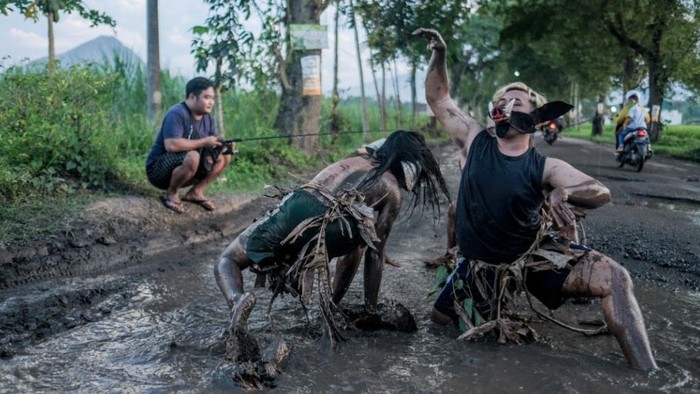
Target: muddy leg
point(345, 270)
point(600, 276)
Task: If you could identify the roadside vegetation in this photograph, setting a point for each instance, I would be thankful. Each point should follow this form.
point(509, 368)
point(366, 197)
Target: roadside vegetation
point(82, 134)
point(681, 141)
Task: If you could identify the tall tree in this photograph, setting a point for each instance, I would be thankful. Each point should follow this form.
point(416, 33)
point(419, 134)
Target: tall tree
point(52, 10)
point(300, 114)
point(589, 43)
point(335, 117)
point(223, 43)
point(363, 97)
point(669, 38)
point(256, 59)
point(154, 100)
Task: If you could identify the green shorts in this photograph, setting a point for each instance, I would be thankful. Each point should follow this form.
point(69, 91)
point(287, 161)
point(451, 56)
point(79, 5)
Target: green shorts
point(264, 244)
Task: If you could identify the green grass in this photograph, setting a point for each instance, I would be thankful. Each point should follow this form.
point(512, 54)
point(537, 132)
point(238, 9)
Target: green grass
point(681, 141)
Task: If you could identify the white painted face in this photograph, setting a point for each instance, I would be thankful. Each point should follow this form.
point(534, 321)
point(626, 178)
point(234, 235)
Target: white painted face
point(410, 174)
point(374, 146)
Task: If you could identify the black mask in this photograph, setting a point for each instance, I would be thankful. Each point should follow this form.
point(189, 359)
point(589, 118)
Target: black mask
point(525, 123)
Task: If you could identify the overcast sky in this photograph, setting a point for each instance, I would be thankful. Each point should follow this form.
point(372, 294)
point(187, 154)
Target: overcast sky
point(22, 38)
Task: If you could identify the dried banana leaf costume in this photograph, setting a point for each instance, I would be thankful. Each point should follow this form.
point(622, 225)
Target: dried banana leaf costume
point(307, 229)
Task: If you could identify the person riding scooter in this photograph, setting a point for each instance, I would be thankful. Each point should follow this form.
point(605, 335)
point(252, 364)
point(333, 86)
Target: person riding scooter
point(632, 116)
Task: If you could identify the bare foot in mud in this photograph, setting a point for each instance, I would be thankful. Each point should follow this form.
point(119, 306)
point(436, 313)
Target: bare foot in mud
point(242, 307)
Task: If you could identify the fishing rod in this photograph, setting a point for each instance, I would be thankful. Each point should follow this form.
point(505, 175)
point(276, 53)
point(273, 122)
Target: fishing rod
point(272, 137)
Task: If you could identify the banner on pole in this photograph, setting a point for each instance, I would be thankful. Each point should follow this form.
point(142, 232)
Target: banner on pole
point(655, 112)
point(311, 75)
point(305, 36)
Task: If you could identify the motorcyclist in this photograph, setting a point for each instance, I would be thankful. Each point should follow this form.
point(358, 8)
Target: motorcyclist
point(631, 117)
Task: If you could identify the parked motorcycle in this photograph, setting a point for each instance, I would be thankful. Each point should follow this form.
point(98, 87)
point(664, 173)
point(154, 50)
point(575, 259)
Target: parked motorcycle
point(551, 130)
point(636, 149)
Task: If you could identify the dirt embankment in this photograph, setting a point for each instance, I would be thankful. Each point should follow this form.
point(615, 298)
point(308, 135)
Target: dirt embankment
point(117, 232)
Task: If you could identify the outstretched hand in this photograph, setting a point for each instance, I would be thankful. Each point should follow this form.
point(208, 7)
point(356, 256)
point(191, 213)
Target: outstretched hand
point(435, 41)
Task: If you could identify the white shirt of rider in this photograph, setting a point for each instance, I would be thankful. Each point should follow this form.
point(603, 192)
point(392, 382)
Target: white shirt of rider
point(636, 113)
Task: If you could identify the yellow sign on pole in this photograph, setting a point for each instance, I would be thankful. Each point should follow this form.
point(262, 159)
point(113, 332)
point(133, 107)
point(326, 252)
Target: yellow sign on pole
point(311, 75)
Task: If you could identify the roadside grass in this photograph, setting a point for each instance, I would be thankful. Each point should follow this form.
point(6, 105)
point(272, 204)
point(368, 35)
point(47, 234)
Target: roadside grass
point(680, 141)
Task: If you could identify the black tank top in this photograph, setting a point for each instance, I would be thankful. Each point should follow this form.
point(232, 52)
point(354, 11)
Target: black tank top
point(499, 201)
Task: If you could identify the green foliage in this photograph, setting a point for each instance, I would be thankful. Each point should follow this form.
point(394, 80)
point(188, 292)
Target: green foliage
point(32, 8)
point(55, 128)
point(442, 274)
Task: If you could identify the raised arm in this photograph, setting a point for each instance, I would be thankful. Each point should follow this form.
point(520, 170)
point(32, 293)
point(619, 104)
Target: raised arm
point(461, 127)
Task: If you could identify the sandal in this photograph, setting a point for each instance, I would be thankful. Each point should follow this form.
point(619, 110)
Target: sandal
point(172, 205)
point(206, 203)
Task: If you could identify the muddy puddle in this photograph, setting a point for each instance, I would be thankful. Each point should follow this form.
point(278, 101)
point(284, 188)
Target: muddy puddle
point(688, 208)
point(160, 325)
point(168, 336)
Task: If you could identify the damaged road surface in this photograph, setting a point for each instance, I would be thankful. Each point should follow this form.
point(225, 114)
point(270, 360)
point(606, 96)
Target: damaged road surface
point(124, 301)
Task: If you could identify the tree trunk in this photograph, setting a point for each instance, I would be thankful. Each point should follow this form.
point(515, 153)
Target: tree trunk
point(382, 103)
point(399, 120)
point(154, 99)
point(299, 114)
point(219, 101)
point(376, 89)
point(658, 78)
point(414, 95)
point(456, 72)
point(363, 97)
point(335, 121)
point(51, 66)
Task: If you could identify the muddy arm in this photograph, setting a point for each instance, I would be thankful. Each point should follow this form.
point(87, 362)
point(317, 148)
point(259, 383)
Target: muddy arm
point(574, 186)
point(461, 127)
point(569, 185)
point(374, 258)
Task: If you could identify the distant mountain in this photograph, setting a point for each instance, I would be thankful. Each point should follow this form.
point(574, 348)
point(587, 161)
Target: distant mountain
point(100, 51)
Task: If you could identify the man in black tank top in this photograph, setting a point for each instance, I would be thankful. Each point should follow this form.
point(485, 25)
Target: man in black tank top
point(500, 223)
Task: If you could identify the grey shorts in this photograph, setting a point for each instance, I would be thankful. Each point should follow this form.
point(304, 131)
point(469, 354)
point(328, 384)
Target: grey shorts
point(160, 171)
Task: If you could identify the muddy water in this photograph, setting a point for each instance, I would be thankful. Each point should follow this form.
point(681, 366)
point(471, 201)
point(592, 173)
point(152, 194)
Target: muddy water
point(161, 326)
point(168, 337)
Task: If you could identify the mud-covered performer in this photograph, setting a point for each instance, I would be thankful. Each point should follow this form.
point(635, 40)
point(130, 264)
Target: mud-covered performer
point(183, 151)
point(359, 197)
point(500, 223)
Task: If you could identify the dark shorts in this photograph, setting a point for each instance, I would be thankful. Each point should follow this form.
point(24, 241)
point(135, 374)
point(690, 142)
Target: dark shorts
point(543, 284)
point(161, 170)
point(264, 243)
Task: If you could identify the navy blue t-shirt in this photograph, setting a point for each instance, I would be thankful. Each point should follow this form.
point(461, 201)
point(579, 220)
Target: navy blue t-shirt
point(178, 123)
point(499, 200)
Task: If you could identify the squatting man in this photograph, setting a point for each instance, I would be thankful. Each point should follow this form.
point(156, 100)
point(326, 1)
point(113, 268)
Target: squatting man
point(499, 221)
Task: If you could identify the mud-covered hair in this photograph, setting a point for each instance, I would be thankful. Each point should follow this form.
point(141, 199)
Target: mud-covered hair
point(410, 146)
